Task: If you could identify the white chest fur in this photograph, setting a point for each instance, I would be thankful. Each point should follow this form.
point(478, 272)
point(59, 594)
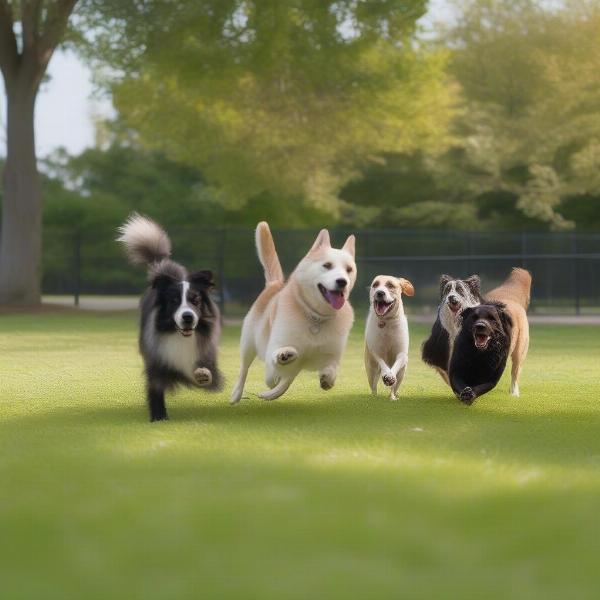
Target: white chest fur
point(387, 341)
point(178, 352)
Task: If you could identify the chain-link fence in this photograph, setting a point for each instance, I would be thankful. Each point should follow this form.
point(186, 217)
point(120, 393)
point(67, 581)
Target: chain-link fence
point(565, 266)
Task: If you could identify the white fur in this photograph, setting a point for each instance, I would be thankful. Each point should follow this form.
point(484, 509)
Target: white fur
point(184, 307)
point(298, 329)
point(451, 321)
point(173, 349)
point(386, 348)
point(145, 241)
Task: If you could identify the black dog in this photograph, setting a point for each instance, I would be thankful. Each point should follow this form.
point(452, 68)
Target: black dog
point(180, 324)
point(480, 351)
point(455, 296)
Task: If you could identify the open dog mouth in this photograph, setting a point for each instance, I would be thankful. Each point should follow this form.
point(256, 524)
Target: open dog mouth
point(335, 298)
point(481, 340)
point(454, 308)
point(185, 332)
point(382, 307)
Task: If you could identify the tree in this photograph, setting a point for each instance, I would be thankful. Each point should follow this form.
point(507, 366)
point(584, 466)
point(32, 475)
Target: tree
point(271, 98)
point(29, 33)
point(530, 125)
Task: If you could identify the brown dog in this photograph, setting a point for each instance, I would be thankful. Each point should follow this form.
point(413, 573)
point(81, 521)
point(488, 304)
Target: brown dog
point(514, 293)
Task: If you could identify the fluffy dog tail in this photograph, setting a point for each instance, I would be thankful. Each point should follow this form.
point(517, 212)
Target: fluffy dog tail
point(146, 243)
point(267, 254)
point(517, 288)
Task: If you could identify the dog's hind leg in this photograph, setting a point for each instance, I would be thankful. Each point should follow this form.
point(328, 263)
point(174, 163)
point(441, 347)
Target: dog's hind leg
point(517, 358)
point(248, 354)
point(279, 389)
point(156, 403)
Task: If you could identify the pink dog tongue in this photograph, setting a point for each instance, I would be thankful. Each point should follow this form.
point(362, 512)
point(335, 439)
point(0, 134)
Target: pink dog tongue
point(336, 299)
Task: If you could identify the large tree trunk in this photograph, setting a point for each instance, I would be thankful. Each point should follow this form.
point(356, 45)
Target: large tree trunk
point(21, 241)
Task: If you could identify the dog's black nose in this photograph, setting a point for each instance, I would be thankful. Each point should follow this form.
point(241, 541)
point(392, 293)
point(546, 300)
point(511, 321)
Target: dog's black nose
point(341, 283)
point(187, 318)
point(480, 326)
point(453, 300)
point(379, 294)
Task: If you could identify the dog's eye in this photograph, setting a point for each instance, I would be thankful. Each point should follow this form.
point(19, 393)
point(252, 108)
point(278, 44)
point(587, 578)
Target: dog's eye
point(328, 266)
point(390, 286)
point(195, 300)
point(349, 270)
point(376, 284)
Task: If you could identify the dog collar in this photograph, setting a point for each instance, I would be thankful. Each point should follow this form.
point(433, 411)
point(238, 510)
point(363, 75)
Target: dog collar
point(315, 323)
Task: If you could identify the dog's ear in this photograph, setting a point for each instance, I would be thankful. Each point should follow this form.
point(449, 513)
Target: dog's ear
point(506, 320)
point(204, 278)
point(406, 286)
point(322, 241)
point(350, 245)
point(474, 284)
point(465, 312)
point(444, 279)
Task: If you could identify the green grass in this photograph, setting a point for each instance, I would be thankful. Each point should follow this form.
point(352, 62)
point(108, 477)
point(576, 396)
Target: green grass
point(316, 495)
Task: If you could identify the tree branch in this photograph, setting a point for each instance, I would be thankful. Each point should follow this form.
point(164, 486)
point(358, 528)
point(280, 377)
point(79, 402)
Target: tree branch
point(53, 29)
point(9, 53)
point(30, 21)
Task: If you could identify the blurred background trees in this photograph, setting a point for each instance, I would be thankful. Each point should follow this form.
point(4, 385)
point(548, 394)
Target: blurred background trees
point(338, 113)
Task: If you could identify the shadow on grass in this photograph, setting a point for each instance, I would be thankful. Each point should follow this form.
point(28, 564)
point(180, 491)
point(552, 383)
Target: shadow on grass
point(433, 425)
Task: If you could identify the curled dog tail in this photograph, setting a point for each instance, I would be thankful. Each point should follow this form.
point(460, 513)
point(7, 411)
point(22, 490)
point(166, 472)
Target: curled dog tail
point(516, 288)
point(146, 243)
point(267, 254)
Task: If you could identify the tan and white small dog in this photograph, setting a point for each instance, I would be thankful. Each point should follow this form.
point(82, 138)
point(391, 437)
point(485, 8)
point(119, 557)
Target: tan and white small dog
point(301, 323)
point(386, 333)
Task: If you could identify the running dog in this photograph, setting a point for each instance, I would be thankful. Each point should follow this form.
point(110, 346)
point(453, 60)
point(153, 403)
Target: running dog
point(455, 296)
point(515, 295)
point(180, 324)
point(386, 333)
point(301, 323)
point(480, 351)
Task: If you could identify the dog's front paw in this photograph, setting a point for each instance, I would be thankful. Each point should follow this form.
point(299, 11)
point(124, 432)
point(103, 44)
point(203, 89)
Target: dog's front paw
point(326, 381)
point(467, 396)
point(203, 376)
point(286, 355)
point(389, 379)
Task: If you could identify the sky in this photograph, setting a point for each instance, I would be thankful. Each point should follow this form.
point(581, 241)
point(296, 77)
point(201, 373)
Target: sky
point(66, 104)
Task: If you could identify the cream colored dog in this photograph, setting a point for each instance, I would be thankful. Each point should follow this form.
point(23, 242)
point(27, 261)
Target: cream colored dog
point(386, 334)
point(302, 323)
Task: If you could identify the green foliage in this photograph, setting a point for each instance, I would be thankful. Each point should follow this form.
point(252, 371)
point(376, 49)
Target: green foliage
point(531, 122)
point(277, 99)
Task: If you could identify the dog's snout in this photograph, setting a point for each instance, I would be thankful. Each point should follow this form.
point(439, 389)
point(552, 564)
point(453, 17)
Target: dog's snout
point(379, 294)
point(187, 318)
point(453, 300)
point(341, 283)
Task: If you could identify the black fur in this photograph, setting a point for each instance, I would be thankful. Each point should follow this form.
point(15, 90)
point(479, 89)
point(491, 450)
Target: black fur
point(472, 371)
point(158, 306)
point(435, 351)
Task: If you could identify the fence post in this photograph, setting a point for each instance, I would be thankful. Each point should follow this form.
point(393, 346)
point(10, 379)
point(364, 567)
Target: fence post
point(221, 270)
point(576, 274)
point(77, 265)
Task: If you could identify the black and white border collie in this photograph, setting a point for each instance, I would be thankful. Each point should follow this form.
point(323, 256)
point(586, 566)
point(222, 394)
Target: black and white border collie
point(180, 323)
point(455, 296)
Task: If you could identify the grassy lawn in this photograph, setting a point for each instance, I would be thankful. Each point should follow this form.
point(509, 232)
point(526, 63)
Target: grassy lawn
point(316, 495)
